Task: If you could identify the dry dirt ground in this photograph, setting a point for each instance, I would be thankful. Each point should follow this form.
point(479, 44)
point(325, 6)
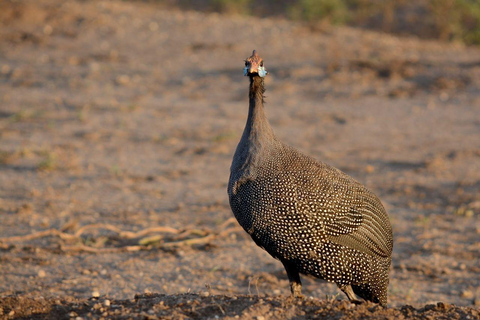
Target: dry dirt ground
point(118, 122)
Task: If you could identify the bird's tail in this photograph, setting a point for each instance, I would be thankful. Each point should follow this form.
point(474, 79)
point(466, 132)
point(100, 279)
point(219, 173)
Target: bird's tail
point(366, 292)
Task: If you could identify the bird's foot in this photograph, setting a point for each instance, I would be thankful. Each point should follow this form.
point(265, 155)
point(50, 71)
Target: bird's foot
point(355, 301)
point(296, 289)
point(297, 296)
point(350, 294)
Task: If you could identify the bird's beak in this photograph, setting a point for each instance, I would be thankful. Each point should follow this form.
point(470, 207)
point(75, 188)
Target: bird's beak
point(254, 67)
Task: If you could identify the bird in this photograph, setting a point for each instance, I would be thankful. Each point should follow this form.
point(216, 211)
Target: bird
point(312, 217)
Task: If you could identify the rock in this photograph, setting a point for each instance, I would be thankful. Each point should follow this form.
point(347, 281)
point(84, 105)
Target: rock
point(467, 294)
point(443, 306)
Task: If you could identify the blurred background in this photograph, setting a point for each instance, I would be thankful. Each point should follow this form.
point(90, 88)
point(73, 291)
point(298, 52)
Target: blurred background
point(121, 116)
point(457, 20)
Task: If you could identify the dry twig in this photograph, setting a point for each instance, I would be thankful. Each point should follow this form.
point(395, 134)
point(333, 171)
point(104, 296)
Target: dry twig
point(40, 234)
point(181, 238)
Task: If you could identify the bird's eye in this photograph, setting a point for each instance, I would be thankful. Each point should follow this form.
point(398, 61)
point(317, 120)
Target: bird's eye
point(261, 64)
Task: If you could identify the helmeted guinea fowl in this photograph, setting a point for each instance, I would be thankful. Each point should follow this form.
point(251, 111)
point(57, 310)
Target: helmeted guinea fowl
point(311, 216)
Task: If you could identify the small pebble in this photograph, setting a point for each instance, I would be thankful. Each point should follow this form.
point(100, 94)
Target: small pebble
point(469, 213)
point(6, 69)
point(153, 26)
point(95, 294)
point(467, 294)
point(123, 79)
point(74, 61)
point(42, 274)
point(47, 30)
point(443, 306)
point(106, 303)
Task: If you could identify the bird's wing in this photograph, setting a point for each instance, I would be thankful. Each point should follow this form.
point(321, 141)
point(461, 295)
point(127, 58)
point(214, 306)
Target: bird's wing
point(352, 215)
point(362, 226)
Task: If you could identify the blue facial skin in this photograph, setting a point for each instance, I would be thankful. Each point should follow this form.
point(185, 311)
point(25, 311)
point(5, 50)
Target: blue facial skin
point(261, 71)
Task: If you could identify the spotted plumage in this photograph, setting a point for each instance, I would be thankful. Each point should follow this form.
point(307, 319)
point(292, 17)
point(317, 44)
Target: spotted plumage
point(311, 216)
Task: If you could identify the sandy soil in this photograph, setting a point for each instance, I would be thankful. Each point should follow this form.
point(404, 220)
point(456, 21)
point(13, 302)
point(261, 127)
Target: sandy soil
point(117, 117)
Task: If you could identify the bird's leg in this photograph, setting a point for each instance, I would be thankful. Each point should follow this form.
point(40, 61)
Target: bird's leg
point(350, 294)
point(294, 278)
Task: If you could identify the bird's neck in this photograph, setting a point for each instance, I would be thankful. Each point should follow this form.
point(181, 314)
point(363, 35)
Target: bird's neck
point(258, 138)
point(257, 129)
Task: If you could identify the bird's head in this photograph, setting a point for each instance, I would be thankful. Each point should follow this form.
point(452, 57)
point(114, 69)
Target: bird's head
point(254, 66)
